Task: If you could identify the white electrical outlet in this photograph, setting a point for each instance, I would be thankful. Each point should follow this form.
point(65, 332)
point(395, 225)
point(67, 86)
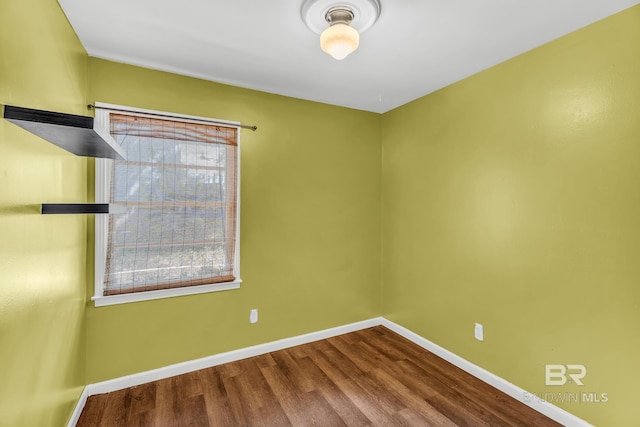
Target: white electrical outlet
point(479, 332)
point(253, 315)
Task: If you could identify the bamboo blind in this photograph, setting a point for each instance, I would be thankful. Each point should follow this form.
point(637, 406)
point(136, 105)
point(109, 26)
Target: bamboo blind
point(179, 188)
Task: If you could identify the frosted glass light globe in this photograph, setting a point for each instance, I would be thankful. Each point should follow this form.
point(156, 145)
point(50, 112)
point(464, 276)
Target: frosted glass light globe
point(339, 40)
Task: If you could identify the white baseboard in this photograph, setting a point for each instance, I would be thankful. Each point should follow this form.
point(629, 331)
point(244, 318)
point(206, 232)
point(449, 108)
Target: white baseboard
point(557, 414)
point(75, 415)
point(546, 408)
point(207, 362)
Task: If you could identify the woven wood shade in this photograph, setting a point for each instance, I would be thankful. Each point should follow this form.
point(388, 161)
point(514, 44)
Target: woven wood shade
point(178, 186)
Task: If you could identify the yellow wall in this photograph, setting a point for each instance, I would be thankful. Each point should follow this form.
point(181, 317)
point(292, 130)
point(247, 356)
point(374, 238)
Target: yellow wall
point(42, 258)
point(310, 226)
point(512, 199)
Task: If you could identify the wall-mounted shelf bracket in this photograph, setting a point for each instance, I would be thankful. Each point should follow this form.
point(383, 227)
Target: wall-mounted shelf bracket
point(75, 208)
point(80, 135)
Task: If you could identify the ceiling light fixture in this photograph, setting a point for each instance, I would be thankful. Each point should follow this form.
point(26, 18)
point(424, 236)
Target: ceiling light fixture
point(347, 19)
point(339, 40)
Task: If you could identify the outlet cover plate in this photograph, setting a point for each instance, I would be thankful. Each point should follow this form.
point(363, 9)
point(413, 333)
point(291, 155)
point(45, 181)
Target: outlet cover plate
point(479, 332)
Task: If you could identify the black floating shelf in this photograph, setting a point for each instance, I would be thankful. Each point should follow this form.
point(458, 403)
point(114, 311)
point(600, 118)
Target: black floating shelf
point(75, 208)
point(79, 135)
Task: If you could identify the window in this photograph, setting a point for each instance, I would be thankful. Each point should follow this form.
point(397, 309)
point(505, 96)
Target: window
point(174, 227)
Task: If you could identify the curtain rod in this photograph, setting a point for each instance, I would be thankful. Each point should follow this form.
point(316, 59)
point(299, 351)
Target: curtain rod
point(254, 128)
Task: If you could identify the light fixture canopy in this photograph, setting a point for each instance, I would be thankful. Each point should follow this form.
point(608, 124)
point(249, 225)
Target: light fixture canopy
point(340, 23)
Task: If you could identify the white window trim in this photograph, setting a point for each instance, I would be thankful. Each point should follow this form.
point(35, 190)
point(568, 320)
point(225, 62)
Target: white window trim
point(103, 169)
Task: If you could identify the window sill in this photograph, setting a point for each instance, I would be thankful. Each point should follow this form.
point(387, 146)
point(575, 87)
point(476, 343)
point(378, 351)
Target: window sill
point(101, 301)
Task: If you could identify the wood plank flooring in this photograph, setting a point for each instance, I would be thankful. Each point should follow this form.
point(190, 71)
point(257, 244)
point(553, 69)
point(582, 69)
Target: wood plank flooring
point(372, 377)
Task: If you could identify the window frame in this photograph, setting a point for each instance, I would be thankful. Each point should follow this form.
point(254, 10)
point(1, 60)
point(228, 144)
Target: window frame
point(103, 168)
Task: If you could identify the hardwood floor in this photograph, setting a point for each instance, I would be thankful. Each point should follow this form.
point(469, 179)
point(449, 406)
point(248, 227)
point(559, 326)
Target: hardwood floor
point(372, 377)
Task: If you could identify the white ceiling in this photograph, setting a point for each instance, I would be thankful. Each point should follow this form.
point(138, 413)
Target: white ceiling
point(416, 47)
